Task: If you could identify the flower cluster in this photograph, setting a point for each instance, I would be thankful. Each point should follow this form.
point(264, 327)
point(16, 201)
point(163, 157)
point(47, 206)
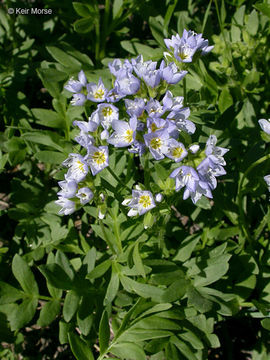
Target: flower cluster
point(265, 126)
point(202, 181)
point(183, 49)
point(141, 113)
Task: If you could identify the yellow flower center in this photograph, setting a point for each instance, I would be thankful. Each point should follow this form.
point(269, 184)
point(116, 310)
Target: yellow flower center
point(177, 152)
point(182, 55)
point(99, 157)
point(106, 111)
point(99, 94)
point(145, 201)
point(128, 137)
point(156, 143)
point(154, 127)
point(80, 165)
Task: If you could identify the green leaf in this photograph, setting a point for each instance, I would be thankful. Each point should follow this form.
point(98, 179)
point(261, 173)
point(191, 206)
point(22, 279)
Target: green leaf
point(80, 349)
point(175, 291)
point(63, 58)
point(56, 276)
point(128, 351)
point(71, 304)
point(24, 275)
point(192, 339)
point(48, 118)
point(225, 100)
point(266, 324)
point(136, 334)
point(50, 157)
point(63, 332)
point(117, 5)
point(48, 313)
point(85, 25)
point(9, 294)
point(253, 23)
point(41, 138)
point(83, 10)
point(156, 322)
point(186, 248)
point(23, 313)
point(213, 272)
point(157, 29)
point(104, 332)
point(169, 14)
point(85, 315)
point(183, 348)
point(99, 270)
point(62, 260)
point(137, 260)
point(127, 317)
point(52, 86)
point(90, 259)
point(112, 287)
point(264, 8)
point(196, 299)
point(144, 290)
point(5, 332)
point(52, 75)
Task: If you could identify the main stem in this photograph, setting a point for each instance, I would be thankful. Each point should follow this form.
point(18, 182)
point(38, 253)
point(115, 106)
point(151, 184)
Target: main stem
point(185, 90)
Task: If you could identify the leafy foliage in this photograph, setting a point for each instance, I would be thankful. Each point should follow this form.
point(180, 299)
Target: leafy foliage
point(125, 288)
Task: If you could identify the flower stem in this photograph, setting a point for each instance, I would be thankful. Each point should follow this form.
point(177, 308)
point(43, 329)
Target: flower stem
point(185, 90)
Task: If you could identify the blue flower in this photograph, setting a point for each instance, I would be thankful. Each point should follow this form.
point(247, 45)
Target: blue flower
point(171, 103)
point(97, 158)
point(84, 139)
point(68, 188)
point(78, 168)
point(135, 107)
point(152, 78)
point(157, 143)
point(171, 74)
point(215, 153)
point(185, 176)
point(96, 92)
point(68, 206)
point(75, 86)
point(126, 83)
point(154, 108)
point(194, 148)
point(117, 66)
point(147, 71)
point(85, 195)
point(124, 134)
point(265, 125)
point(176, 150)
point(113, 96)
point(78, 99)
point(180, 119)
point(267, 180)
point(137, 148)
point(107, 113)
point(202, 188)
point(154, 124)
point(141, 202)
point(186, 46)
point(209, 170)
